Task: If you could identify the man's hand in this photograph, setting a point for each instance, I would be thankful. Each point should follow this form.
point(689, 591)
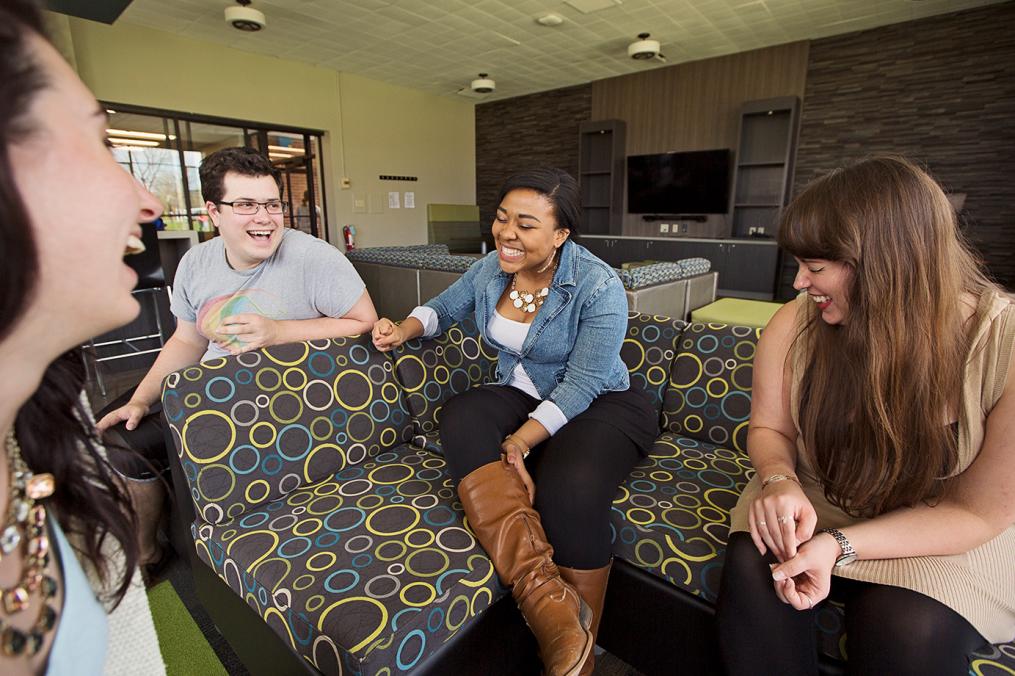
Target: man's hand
point(246, 332)
point(131, 412)
point(387, 335)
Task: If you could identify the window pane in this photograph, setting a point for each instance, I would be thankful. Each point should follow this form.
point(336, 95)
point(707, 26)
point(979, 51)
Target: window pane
point(144, 146)
point(290, 156)
point(201, 139)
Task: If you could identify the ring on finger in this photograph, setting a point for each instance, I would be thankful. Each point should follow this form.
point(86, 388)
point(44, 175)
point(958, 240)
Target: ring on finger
point(810, 601)
point(762, 523)
point(783, 519)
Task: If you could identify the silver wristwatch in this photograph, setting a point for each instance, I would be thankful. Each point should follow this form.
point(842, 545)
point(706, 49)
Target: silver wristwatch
point(848, 554)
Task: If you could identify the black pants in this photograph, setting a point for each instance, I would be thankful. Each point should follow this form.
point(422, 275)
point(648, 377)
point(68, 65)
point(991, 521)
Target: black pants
point(576, 471)
point(889, 630)
point(139, 454)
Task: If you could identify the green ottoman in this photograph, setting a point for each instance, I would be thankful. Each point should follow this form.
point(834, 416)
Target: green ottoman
point(736, 311)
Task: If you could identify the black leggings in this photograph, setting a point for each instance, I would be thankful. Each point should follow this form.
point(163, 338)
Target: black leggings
point(890, 630)
point(576, 471)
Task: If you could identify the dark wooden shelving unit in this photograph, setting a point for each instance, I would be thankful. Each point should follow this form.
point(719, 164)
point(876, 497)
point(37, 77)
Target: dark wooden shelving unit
point(764, 165)
point(601, 175)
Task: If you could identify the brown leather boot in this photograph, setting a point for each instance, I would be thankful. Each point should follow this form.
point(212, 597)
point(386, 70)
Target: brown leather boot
point(591, 585)
point(501, 516)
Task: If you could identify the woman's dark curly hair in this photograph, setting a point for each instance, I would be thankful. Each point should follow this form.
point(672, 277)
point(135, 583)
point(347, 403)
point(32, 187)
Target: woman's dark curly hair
point(54, 430)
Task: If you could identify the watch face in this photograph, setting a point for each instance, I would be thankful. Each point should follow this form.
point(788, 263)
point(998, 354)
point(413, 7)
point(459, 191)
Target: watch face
point(845, 560)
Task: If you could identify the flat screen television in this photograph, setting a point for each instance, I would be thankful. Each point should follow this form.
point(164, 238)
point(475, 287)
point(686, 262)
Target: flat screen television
point(679, 183)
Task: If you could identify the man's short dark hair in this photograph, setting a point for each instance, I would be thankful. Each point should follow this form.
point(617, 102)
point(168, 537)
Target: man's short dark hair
point(243, 161)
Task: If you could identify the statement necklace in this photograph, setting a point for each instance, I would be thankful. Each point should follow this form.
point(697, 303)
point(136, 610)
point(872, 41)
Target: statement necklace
point(26, 522)
point(530, 301)
point(527, 301)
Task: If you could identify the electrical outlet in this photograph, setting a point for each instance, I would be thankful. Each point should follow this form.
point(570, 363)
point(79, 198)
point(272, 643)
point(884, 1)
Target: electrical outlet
point(664, 227)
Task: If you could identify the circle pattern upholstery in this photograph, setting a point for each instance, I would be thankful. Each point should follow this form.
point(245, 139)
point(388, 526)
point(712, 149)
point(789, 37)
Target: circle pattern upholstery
point(431, 371)
point(360, 559)
point(709, 393)
point(254, 427)
point(648, 350)
point(368, 571)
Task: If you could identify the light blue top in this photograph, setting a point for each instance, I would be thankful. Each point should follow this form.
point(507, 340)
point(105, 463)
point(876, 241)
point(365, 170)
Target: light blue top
point(572, 350)
point(79, 647)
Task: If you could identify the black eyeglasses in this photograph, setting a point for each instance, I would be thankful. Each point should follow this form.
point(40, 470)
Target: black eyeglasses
point(249, 207)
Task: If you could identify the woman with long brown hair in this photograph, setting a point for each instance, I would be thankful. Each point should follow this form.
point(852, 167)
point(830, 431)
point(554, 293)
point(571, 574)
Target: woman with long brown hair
point(68, 213)
point(882, 433)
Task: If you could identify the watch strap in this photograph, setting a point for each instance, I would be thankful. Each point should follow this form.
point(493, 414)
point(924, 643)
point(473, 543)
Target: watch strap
point(848, 554)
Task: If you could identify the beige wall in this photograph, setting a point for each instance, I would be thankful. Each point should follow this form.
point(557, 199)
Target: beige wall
point(395, 131)
point(386, 129)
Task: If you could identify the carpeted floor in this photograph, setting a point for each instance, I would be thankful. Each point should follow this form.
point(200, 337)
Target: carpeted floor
point(184, 648)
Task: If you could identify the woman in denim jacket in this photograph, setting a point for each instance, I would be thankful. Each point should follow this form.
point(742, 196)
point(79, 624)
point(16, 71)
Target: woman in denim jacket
point(557, 316)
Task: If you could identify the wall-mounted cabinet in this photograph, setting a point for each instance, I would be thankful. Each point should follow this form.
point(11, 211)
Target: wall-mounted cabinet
point(764, 165)
point(601, 175)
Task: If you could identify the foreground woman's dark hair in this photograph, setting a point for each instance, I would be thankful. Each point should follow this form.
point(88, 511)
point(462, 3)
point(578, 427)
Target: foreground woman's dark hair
point(54, 430)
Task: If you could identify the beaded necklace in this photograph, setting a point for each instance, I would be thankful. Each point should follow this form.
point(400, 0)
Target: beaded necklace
point(26, 522)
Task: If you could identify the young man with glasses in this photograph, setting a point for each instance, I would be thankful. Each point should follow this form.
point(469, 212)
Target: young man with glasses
point(258, 284)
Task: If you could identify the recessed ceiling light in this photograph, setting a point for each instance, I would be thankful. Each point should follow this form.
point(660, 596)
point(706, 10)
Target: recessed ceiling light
point(133, 142)
point(139, 134)
point(550, 20)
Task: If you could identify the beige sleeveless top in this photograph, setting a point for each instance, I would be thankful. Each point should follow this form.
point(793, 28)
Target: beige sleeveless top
point(979, 584)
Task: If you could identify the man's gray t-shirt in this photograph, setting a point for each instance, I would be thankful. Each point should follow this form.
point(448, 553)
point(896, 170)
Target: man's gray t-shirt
point(305, 278)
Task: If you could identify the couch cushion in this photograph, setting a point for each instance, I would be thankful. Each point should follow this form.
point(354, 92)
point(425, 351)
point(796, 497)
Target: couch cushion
point(251, 428)
point(432, 371)
point(671, 515)
point(664, 271)
point(423, 256)
point(381, 254)
point(709, 392)
point(671, 518)
point(648, 350)
point(367, 572)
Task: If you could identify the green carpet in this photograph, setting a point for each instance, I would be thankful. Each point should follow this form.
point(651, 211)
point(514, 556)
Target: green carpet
point(184, 648)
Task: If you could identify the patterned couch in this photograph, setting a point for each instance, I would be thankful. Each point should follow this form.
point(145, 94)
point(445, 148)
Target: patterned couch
point(401, 277)
point(325, 534)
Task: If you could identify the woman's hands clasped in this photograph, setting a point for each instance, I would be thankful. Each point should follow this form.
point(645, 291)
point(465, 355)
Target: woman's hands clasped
point(781, 519)
point(804, 580)
point(387, 335)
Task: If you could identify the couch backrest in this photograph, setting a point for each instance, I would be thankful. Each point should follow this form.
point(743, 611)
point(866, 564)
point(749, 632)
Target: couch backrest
point(432, 371)
point(252, 428)
point(648, 350)
point(709, 392)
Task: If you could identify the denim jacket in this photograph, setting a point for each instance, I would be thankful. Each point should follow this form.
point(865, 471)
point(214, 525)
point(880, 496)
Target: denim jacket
point(572, 351)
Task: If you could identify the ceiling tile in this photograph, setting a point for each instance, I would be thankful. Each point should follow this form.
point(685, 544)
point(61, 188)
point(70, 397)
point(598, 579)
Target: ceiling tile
point(440, 45)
